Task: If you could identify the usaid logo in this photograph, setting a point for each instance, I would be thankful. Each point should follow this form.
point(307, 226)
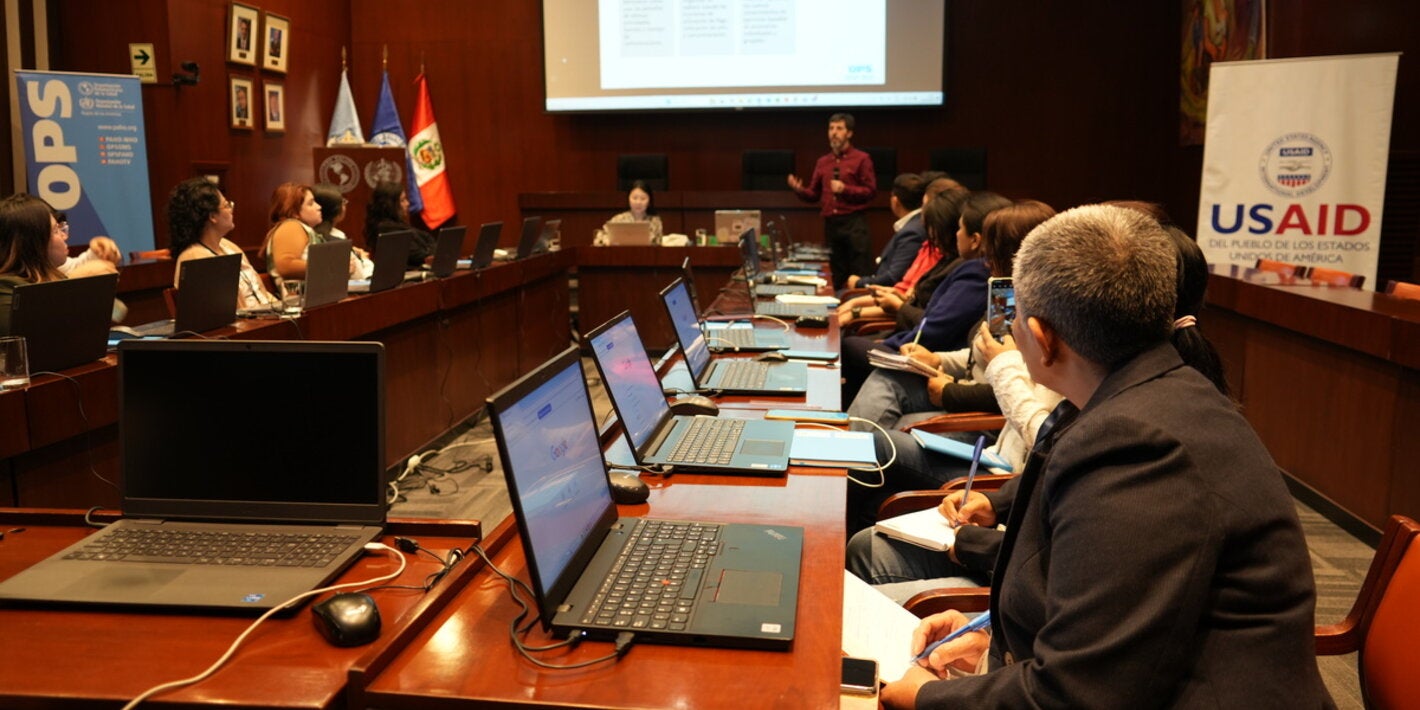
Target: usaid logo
point(1295, 164)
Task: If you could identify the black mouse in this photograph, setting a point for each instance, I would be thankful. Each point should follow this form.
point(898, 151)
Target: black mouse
point(695, 404)
point(773, 356)
point(627, 488)
point(348, 619)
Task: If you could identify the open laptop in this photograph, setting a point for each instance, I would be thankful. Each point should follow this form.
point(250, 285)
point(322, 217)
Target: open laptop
point(312, 488)
point(735, 585)
point(327, 272)
point(527, 241)
point(64, 322)
point(728, 375)
point(805, 281)
point(488, 235)
point(730, 225)
point(206, 297)
point(390, 259)
point(446, 250)
point(716, 335)
point(628, 234)
point(749, 446)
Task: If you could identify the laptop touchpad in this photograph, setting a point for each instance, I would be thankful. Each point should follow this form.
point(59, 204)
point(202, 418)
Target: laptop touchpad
point(130, 577)
point(762, 447)
point(753, 588)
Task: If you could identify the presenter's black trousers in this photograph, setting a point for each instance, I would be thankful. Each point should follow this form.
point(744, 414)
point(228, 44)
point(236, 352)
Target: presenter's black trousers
point(850, 247)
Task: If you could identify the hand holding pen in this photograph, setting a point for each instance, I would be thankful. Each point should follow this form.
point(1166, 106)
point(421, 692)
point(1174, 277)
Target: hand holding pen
point(949, 511)
point(933, 622)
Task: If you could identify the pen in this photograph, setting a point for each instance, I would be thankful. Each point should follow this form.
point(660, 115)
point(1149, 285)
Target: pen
point(976, 624)
point(971, 472)
point(918, 337)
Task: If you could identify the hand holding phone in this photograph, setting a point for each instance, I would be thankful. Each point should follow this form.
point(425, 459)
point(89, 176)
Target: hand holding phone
point(1000, 306)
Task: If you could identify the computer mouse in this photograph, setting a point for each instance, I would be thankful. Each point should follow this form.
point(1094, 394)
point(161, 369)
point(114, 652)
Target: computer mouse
point(773, 356)
point(627, 488)
point(348, 619)
point(122, 332)
point(695, 404)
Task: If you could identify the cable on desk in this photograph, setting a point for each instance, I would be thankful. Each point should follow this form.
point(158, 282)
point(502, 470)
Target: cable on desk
point(362, 584)
point(881, 468)
point(83, 417)
point(624, 639)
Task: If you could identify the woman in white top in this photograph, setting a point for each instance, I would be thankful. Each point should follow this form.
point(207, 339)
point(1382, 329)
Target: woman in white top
point(199, 218)
point(332, 209)
point(642, 209)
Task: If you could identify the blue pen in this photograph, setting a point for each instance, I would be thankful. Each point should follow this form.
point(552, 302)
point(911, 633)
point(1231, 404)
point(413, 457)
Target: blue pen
point(971, 472)
point(976, 624)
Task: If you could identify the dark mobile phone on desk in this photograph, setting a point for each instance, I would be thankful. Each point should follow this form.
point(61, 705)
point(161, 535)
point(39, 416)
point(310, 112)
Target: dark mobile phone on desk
point(860, 676)
point(1000, 306)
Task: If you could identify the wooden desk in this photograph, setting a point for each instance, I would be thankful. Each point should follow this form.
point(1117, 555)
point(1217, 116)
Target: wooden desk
point(465, 659)
point(1330, 378)
point(65, 658)
point(613, 279)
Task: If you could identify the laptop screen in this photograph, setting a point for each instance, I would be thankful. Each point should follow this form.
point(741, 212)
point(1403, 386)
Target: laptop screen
point(632, 383)
point(749, 254)
point(552, 460)
point(687, 328)
point(252, 430)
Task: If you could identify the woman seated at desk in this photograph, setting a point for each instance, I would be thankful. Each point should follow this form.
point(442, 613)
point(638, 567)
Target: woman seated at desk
point(388, 211)
point(101, 257)
point(332, 209)
point(32, 246)
point(199, 218)
point(294, 215)
point(642, 209)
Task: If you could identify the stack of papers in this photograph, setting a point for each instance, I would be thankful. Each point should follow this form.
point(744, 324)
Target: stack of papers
point(897, 361)
point(875, 627)
point(806, 300)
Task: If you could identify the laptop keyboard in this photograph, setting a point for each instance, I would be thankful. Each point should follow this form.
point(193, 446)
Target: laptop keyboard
point(731, 338)
point(775, 308)
point(741, 374)
point(655, 579)
point(251, 549)
point(708, 441)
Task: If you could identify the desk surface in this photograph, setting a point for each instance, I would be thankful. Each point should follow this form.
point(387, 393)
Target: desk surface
point(465, 656)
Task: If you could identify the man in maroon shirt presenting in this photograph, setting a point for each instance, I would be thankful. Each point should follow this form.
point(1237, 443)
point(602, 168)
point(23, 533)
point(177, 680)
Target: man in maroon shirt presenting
point(846, 175)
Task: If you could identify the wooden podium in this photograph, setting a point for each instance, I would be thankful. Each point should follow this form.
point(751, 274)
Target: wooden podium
point(355, 170)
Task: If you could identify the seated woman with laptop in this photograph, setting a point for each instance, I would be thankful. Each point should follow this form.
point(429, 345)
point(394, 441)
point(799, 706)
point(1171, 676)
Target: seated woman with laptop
point(199, 219)
point(642, 209)
point(388, 211)
point(294, 215)
point(32, 246)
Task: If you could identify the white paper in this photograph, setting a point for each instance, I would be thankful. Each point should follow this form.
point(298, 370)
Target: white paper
point(875, 627)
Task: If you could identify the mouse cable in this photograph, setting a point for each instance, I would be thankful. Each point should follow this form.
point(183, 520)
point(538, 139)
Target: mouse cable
point(710, 338)
point(624, 639)
point(89, 517)
point(361, 584)
point(881, 468)
point(409, 545)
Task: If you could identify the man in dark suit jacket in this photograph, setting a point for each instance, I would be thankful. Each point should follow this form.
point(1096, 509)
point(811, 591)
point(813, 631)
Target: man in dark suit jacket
point(1152, 558)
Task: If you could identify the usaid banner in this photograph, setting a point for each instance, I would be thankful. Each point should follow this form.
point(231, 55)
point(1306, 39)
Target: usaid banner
point(85, 153)
point(1294, 161)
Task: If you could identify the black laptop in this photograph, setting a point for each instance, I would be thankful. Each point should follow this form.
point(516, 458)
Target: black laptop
point(390, 258)
point(657, 437)
point(327, 272)
point(527, 241)
point(446, 250)
point(727, 375)
point(719, 335)
point(773, 283)
point(65, 323)
point(685, 582)
point(249, 523)
point(206, 297)
point(488, 236)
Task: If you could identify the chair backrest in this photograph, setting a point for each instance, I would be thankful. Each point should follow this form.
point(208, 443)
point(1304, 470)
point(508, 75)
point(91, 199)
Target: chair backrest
point(1281, 268)
point(966, 165)
point(150, 254)
point(650, 168)
point(1403, 289)
point(884, 166)
point(1385, 621)
point(765, 169)
point(1332, 277)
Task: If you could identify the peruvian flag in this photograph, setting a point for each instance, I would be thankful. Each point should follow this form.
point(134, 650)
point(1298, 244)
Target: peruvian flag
point(427, 153)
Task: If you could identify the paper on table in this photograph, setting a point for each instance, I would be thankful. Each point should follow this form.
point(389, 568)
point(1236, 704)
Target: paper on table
point(876, 627)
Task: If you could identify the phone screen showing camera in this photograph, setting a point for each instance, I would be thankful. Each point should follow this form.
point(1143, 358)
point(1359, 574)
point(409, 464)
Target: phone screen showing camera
point(1000, 306)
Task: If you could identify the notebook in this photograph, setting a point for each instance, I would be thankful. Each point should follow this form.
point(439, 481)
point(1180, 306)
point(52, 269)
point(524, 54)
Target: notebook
point(488, 235)
point(727, 375)
point(628, 234)
point(758, 447)
point(65, 322)
point(327, 273)
point(718, 335)
point(316, 471)
point(390, 259)
point(206, 297)
point(446, 251)
point(739, 588)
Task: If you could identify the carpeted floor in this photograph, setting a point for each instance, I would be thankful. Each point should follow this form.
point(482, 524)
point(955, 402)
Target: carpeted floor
point(1339, 560)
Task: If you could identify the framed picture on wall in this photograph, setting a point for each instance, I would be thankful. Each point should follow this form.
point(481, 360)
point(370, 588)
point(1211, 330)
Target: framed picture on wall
point(243, 33)
point(239, 94)
point(274, 102)
point(277, 43)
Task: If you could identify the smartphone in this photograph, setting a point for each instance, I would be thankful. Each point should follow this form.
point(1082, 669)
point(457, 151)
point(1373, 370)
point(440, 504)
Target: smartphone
point(823, 355)
point(860, 676)
point(1000, 306)
point(807, 415)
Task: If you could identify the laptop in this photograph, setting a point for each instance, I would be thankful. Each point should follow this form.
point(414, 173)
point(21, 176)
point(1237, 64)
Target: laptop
point(488, 235)
point(739, 336)
point(628, 234)
point(64, 322)
point(728, 375)
point(730, 225)
point(800, 281)
point(390, 259)
point(312, 489)
point(752, 446)
point(446, 251)
point(327, 273)
point(527, 242)
point(206, 297)
point(737, 586)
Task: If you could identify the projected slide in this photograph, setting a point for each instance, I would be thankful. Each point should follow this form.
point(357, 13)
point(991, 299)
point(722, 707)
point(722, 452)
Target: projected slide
point(657, 44)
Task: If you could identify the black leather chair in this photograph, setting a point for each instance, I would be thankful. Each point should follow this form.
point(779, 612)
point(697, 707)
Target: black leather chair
point(649, 168)
point(766, 169)
point(966, 165)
